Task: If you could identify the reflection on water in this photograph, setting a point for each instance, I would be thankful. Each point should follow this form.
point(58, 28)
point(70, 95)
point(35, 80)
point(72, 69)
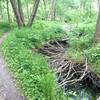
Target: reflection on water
point(83, 94)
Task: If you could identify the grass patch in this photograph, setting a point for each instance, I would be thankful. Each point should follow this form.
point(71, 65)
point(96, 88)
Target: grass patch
point(1, 34)
point(93, 55)
point(4, 27)
point(85, 40)
point(74, 55)
point(82, 46)
point(30, 68)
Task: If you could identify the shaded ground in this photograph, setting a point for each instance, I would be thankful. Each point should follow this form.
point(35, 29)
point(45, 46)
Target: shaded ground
point(8, 89)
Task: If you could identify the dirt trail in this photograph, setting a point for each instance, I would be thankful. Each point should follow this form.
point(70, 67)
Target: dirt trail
point(8, 89)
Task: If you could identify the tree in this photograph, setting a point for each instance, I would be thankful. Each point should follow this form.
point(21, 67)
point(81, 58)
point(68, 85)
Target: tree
point(45, 9)
point(8, 11)
point(97, 33)
point(17, 13)
point(1, 12)
point(35, 7)
point(20, 11)
point(52, 10)
point(27, 8)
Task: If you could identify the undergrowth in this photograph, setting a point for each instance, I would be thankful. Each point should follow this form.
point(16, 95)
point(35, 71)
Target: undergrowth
point(93, 55)
point(6, 27)
point(30, 68)
point(79, 16)
point(81, 46)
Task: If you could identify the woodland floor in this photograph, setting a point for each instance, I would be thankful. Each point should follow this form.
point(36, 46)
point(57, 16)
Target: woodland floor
point(8, 88)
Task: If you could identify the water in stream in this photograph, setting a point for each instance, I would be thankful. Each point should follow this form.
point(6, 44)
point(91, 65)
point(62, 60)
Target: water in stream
point(64, 68)
point(83, 94)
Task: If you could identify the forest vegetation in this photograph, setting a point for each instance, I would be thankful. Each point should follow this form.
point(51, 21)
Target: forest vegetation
point(30, 24)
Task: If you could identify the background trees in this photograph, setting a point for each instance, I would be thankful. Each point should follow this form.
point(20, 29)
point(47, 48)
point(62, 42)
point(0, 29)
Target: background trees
point(47, 9)
point(18, 11)
point(16, 5)
point(35, 7)
point(97, 34)
point(24, 12)
point(52, 12)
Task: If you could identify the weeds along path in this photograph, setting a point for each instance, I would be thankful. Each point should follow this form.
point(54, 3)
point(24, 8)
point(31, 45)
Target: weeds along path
point(70, 74)
point(8, 88)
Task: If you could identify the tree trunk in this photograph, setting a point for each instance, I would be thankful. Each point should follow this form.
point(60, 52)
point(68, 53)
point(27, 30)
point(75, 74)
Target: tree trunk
point(97, 34)
point(45, 9)
point(1, 12)
point(27, 8)
point(20, 11)
point(81, 5)
point(35, 7)
point(53, 10)
point(17, 14)
point(8, 11)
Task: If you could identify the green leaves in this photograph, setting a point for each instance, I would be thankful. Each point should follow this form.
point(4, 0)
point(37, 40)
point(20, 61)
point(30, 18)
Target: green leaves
point(30, 68)
point(93, 55)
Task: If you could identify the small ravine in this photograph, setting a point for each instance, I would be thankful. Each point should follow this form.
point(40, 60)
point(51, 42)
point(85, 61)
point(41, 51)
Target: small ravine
point(74, 77)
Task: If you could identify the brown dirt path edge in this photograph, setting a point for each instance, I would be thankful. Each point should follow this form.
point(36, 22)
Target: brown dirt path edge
point(8, 88)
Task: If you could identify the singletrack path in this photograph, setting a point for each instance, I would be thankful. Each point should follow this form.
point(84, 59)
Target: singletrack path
point(8, 88)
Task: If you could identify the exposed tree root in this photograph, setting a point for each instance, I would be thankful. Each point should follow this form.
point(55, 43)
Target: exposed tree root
point(69, 73)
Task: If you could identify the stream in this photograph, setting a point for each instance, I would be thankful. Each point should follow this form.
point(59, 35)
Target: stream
point(75, 78)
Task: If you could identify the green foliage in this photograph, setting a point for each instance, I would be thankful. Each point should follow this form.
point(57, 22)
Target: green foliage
point(48, 87)
point(78, 16)
point(4, 27)
point(86, 28)
point(81, 46)
point(85, 40)
point(74, 55)
point(93, 55)
point(31, 69)
point(53, 32)
point(81, 43)
point(72, 16)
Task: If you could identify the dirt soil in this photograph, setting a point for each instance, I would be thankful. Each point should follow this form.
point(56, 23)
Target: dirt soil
point(8, 88)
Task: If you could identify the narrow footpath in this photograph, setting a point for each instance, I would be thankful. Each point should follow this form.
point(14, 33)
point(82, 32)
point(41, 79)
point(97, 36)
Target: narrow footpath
point(8, 88)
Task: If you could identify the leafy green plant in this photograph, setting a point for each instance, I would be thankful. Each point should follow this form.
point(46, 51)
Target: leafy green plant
point(93, 55)
point(30, 68)
point(82, 37)
point(4, 27)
